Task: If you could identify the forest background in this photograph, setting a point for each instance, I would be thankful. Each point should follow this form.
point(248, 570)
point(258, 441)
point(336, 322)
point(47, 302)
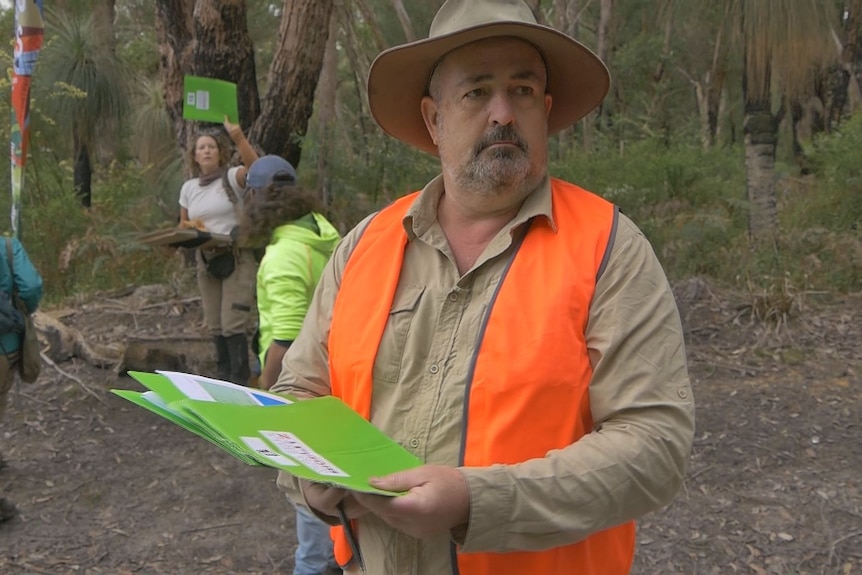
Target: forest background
point(731, 134)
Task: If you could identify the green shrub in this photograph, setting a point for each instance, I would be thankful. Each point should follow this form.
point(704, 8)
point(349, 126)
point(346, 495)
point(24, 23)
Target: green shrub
point(79, 250)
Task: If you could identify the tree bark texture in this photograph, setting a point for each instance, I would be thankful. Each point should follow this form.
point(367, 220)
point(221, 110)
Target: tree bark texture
point(404, 19)
point(327, 91)
point(174, 33)
point(760, 140)
point(83, 173)
point(223, 49)
point(851, 53)
point(566, 15)
point(103, 15)
point(293, 77)
point(536, 8)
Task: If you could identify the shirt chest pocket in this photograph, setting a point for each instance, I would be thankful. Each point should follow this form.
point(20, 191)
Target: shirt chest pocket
point(391, 353)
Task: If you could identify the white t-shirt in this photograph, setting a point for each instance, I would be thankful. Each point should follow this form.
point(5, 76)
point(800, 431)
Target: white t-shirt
point(210, 203)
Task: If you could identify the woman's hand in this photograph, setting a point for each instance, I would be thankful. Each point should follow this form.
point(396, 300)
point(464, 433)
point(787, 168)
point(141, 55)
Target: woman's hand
point(233, 130)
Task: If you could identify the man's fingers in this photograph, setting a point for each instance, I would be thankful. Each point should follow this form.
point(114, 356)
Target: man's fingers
point(352, 508)
point(322, 497)
point(399, 482)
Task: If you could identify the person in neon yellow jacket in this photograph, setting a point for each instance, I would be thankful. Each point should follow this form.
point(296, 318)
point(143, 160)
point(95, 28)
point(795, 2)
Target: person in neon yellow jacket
point(299, 242)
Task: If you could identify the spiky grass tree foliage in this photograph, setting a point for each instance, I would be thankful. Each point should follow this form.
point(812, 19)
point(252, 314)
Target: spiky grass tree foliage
point(784, 43)
point(88, 89)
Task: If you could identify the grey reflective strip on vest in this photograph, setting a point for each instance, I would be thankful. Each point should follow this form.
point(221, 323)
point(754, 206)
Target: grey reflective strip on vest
point(472, 370)
point(611, 237)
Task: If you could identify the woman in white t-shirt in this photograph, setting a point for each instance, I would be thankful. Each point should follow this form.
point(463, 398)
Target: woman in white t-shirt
point(212, 201)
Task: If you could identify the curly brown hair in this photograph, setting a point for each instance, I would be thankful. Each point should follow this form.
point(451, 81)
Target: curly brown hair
point(224, 149)
point(273, 206)
point(224, 155)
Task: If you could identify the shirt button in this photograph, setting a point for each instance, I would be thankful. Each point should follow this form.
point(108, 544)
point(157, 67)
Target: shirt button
point(434, 369)
point(414, 443)
point(453, 296)
point(683, 394)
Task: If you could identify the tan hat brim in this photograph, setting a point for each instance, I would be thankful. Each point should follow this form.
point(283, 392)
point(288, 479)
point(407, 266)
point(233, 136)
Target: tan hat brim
point(577, 79)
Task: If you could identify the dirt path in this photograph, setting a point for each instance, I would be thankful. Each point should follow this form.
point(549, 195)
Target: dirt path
point(774, 484)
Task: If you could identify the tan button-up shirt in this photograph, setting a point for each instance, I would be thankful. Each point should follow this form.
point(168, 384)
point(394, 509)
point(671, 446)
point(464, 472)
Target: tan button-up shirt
point(641, 401)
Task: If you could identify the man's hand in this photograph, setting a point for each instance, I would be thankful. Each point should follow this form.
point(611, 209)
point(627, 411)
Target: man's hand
point(437, 500)
point(325, 499)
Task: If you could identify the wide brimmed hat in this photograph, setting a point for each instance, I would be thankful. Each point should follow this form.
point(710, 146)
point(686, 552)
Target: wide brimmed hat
point(398, 79)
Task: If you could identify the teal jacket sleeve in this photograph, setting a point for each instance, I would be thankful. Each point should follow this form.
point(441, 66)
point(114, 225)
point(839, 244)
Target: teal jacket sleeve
point(27, 279)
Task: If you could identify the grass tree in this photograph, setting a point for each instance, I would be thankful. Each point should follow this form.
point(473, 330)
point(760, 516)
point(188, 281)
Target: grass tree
point(88, 87)
point(784, 42)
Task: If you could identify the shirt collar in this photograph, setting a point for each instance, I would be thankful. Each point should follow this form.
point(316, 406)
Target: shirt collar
point(422, 213)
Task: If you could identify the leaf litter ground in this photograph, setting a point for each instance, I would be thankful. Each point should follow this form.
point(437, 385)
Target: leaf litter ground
point(773, 487)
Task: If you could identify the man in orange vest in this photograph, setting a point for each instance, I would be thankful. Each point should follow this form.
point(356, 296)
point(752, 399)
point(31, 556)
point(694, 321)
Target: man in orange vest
point(514, 331)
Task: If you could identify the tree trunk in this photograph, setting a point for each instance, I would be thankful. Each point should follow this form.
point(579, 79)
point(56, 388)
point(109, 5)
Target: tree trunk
point(715, 87)
point(359, 69)
point(536, 7)
point(567, 14)
point(103, 15)
point(797, 121)
point(174, 33)
point(760, 130)
point(590, 123)
point(658, 110)
point(606, 10)
point(83, 173)
point(293, 77)
point(404, 19)
point(223, 49)
point(851, 52)
point(370, 22)
point(327, 90)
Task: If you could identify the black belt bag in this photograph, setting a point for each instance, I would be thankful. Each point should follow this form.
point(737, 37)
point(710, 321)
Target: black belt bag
point(219, 264)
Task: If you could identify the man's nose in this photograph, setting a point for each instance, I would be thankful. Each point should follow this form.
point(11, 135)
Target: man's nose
point(501, 111)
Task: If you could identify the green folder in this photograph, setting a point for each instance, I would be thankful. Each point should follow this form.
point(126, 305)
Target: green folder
point(209, 100)
point(320, 439)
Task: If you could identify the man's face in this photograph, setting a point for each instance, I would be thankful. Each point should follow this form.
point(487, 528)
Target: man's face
point(488, 115)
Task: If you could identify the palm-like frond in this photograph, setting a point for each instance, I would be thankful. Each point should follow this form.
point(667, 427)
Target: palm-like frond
point(792, 38)
point(155, 141)
point(90, 88)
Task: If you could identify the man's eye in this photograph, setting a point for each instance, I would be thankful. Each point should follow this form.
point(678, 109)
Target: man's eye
point(524, 90)
point(475, 93)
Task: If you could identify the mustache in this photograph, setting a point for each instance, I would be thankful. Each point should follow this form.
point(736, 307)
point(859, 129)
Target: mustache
point(501, 134)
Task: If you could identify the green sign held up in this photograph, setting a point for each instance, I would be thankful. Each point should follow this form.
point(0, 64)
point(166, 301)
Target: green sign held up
point(209, 100)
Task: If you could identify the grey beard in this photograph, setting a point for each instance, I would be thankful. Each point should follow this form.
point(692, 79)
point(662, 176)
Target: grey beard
point(496, 171)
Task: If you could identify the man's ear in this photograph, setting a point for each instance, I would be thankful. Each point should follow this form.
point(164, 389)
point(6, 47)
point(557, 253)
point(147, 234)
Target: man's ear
point(429, 114)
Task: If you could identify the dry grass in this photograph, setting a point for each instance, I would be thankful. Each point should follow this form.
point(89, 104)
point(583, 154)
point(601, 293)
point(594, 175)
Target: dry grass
point(773, 302)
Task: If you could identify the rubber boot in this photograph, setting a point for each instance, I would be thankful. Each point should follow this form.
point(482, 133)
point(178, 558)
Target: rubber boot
point(237, 347)
point(222, 358)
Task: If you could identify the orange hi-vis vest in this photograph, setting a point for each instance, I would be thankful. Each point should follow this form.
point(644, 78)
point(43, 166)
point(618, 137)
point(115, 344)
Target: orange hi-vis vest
point(528, 390)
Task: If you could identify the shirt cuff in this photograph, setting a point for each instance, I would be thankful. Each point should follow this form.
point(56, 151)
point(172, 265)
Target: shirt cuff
point(491, 499)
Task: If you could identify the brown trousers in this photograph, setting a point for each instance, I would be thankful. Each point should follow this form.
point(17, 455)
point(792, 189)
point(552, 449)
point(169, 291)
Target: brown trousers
point(228, 304)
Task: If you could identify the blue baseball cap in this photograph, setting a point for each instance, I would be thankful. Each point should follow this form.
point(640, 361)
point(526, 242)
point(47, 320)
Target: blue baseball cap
point(265, 168)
